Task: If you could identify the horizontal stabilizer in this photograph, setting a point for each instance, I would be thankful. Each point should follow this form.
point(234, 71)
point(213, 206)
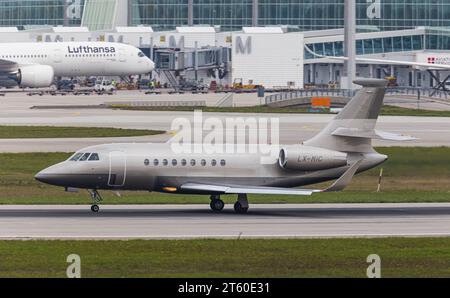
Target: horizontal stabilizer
point(370, 134)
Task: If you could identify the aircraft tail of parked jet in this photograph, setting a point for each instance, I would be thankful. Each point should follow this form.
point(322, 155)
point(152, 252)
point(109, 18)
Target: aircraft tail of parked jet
point(354, 127)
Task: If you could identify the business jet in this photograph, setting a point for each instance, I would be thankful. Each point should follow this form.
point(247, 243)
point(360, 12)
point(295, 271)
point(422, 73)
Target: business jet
point(341, 150)
point(36, 64)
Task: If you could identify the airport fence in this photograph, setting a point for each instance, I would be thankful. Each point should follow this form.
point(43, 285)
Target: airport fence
point(416, 93)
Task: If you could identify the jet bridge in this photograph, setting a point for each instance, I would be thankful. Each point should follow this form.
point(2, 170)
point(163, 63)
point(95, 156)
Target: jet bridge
point(172, 61)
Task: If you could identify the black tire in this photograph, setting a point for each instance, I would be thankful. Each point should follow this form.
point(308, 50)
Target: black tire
point(217, 205)
point(95, 208)
point(239, 209)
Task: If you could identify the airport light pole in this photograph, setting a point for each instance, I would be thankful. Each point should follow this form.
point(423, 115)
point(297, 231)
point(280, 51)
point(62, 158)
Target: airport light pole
point(190, 12)
point(255, 13)
point(350, 41)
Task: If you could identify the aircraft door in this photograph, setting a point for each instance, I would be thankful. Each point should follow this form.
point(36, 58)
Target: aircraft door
point(117, 169)
point(58, 56)
point(122, 55)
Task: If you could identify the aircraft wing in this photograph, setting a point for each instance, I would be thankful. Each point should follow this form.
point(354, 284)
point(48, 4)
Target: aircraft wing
point(339, 185)
point(7, 66)
point(240, 189)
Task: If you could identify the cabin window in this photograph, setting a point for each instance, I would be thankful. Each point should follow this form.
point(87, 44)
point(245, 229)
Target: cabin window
point(203, 162)
point(156, 162)
point(174, 162)
point(214, 162)
point(165, 162)
point(223, 162)
point(147, 162)
point(183, 162)
point(94, 157)
point(193, 162)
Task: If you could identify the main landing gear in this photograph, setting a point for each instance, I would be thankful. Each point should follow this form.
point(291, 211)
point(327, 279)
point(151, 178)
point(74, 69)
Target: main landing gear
point(217, 204)
point(240, 207)
point(96, 198)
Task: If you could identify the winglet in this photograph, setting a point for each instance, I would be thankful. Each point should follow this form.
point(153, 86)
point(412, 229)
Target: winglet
point(345, 179)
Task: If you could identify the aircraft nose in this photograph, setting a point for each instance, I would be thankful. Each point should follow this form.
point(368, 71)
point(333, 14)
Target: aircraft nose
point(52, 176)
point(46, 177)
point(151, 65)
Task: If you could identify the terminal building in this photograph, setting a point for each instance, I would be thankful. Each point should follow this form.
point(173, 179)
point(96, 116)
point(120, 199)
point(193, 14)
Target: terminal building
point(277, 44)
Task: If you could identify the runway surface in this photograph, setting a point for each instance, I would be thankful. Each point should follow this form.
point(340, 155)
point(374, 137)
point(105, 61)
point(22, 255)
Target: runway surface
point(188, 222)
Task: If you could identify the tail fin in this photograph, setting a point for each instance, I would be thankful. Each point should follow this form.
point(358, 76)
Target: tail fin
point(354, 126)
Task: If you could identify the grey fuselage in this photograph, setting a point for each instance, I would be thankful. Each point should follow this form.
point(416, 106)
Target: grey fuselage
point(154, 167)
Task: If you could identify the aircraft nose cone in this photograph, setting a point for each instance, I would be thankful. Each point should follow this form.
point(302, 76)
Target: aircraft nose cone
point(53, 176)
point(151, 65)
point(45, 177)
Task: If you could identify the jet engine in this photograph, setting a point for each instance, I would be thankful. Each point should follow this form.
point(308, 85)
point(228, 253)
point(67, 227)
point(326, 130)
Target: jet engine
point(35, 76)
point(304, 158)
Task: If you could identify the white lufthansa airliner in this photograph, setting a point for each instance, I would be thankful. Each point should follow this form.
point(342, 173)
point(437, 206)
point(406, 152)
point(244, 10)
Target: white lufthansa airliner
point(36, 64)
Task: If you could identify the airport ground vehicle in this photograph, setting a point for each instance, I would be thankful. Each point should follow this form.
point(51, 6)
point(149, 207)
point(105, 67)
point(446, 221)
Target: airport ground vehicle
point(105, 86)
point(144, 84)
point(238, 84)
point(90, 82)
point(65, 85)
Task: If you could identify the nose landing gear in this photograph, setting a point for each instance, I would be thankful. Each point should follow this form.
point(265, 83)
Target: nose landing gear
point(96, 198)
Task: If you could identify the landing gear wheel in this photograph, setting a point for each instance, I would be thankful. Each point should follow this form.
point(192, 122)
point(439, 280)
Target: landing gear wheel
point(95, 208)
point(239, 209)
point(217, 205)
point(96, 198)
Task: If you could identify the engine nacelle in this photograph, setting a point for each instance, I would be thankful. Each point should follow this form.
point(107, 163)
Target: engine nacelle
point(35, 76)
point(304, 158)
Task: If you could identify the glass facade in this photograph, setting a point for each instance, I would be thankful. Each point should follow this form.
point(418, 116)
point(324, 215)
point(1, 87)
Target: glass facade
point(438, 39)
point(303, 14)
point(371, 46)
point(160, 14)
point(404, 14)
point(229, 14)
point(372, 15)
point(20, 13)
point(100, 15)
point(307, 15)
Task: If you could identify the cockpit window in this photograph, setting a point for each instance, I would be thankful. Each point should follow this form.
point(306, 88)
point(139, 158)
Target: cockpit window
point(76, 157)
point(94, 157)
point(140, 54)
point(85, 157)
